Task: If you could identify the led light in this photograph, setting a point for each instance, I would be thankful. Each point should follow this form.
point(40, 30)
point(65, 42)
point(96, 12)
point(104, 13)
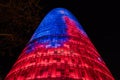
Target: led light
point(59, 50)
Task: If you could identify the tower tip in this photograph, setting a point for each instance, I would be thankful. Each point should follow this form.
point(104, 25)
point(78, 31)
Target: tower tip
point(54, 23)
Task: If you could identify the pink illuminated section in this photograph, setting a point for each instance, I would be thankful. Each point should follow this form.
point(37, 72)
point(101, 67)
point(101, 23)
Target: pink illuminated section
point(66, 61)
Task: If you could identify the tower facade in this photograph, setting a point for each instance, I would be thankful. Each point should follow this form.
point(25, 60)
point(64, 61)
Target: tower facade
point(59, 50)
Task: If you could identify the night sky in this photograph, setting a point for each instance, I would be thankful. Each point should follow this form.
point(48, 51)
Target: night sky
point(20, 18)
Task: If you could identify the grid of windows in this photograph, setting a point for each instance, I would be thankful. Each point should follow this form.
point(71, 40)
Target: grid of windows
point(59, 50)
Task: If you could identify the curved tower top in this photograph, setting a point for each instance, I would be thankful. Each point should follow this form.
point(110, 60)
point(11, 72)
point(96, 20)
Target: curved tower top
point(54, 23)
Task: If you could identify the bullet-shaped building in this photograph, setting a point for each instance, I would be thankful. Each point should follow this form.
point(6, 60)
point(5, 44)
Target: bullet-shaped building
point(59, 50)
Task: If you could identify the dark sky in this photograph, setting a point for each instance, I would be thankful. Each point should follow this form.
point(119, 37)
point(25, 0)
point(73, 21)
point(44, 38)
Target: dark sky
point(99, 19)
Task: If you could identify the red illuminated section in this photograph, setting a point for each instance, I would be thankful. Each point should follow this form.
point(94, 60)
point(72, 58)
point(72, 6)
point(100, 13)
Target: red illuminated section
point(67, 62)
point(76, 59)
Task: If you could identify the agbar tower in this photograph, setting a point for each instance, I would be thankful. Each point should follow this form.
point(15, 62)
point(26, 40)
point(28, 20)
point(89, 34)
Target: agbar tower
point(59, 50)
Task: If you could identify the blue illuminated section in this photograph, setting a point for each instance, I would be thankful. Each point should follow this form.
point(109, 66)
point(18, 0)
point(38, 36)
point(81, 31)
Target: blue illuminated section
point(53, 30)
point(53, 24)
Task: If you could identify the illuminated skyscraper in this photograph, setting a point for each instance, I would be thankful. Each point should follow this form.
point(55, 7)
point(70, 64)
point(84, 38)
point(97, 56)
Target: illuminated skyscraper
point(59, 50)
